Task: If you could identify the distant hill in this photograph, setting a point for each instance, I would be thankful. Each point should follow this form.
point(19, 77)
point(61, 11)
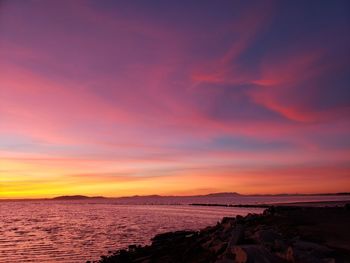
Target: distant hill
point(175, 198)
point(227, 194)
point(224, 194)
point(76, 197)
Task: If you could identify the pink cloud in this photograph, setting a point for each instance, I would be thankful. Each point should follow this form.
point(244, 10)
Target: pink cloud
point(124, 93)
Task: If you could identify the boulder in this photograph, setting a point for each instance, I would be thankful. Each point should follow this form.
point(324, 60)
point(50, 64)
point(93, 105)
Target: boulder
point(312, 247)
point(254, 254)
point(308, 252)
point(237, 235)
point(270, 239)
point(226, 260)
point(268, 236)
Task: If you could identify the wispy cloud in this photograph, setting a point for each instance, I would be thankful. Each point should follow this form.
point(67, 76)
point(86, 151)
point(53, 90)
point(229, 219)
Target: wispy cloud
point(176, 97)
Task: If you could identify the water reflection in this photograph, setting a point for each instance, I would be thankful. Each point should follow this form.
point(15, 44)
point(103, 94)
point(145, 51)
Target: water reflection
point(61, 231)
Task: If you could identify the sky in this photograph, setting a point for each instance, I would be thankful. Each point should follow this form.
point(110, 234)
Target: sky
point(120, 98)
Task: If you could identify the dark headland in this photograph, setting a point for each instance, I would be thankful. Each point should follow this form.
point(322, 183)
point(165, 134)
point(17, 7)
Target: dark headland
point(281, 234)
point(170, 199)
point(76, 197)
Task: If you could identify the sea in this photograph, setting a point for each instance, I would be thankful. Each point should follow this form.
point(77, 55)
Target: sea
point(72, 231)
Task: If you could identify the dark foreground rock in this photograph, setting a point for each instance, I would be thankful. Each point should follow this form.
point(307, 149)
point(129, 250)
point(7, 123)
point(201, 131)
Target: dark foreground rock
point(280, 234)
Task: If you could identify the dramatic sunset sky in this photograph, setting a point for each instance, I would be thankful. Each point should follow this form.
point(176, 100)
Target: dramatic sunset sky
point(120, 98)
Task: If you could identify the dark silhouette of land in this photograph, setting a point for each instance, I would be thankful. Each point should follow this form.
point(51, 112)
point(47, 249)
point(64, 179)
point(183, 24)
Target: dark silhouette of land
point(223, 194)
point(77, 197)
point(228, 199)
point(280, 235)
point(210, 195)
point(303, 204)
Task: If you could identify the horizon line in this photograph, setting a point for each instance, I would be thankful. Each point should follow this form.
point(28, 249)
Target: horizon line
point(158, 195)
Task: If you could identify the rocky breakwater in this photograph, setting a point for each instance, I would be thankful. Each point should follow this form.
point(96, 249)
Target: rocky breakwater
point(280, 234)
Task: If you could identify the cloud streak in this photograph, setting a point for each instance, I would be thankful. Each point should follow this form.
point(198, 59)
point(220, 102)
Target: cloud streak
point(133, 99)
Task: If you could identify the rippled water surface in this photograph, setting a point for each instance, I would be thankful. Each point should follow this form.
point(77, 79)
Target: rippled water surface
point(77, 231)
point(66, 231)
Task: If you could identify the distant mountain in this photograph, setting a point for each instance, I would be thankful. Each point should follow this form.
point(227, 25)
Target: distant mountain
point(225, 194)
point(143, 196)
point(228, 194)
point(76, 197)
point(173, 198)
point(150, 197)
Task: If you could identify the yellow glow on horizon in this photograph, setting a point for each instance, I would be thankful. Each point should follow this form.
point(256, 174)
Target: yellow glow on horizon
point(19, 179)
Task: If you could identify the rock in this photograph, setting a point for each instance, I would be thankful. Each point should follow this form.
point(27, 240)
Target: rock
point(237, 235)
point(207, 243)
point(268, 236)
point(280, 245)
point(239, 219)
point(225, 261)
point(347, 207)
point(289, 255)
point(254, 254)
point(218, 247)
point(241, 256)
point(132, 247)
point(270, 211)
point(171, 236)
point(228, 220)
point(251, 217)
point(270, 239)
point(146, 259)
point(227, 224)
point(312, 247)
point(277, 236)
point(308, 252)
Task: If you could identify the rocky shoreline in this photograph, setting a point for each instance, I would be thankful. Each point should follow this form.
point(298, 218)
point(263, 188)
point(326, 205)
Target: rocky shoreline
point(281, 234)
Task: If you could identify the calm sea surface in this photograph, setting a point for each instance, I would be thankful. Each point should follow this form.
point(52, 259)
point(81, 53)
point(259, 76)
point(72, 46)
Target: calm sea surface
point(77, 231)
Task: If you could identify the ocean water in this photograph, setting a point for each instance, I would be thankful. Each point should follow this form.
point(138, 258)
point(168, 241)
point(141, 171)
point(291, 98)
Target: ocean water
point(66, 231)
point(77, 231)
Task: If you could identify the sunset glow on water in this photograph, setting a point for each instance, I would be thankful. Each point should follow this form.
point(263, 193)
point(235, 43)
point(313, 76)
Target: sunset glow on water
point(72, 232)
point(77, 231)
